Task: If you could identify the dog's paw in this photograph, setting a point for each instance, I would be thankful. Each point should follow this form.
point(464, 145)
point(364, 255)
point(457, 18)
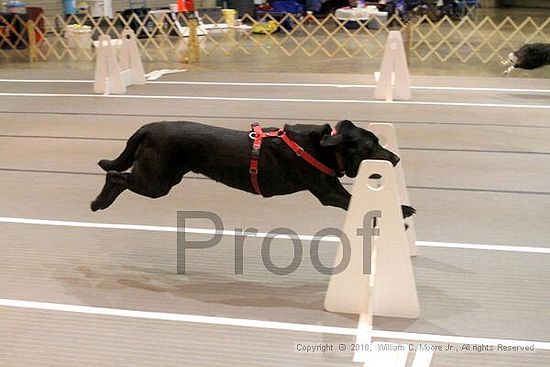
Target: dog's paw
point(94, 206)
point(508, 71)
point(407, 211)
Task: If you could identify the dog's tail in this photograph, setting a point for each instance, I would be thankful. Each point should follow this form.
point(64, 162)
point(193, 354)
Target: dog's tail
point(126, 159)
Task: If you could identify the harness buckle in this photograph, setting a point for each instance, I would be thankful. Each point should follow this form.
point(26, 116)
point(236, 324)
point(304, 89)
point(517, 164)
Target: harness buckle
point(252, 135)
point(253, 171)
point(299, 151)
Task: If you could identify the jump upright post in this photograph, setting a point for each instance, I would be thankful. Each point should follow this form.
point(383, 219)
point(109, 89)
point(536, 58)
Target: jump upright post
point(393, 81)
point(113, 73)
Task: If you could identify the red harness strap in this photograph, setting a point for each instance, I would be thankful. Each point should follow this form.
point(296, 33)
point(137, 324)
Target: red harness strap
point(258, 134)
point(300, 152)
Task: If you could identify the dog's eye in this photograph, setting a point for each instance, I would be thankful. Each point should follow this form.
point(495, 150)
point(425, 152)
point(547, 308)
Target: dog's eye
point(365, 146)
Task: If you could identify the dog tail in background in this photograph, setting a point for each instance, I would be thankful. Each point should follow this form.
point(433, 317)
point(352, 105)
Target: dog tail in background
point(126, 159)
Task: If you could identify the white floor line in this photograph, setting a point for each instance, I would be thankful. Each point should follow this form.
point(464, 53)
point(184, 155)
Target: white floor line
point(306, 85)
point(213, 320)
point(278, 100)
point(364, 337)
point(139, 227)
point(261, 324)
point(474, 246)
point(423, 358)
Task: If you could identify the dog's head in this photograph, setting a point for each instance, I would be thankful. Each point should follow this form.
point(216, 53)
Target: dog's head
point(355, 144)
point(529, 57)
point(512, 58)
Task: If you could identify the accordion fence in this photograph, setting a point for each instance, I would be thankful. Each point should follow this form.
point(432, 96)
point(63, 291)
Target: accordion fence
point(468, 40)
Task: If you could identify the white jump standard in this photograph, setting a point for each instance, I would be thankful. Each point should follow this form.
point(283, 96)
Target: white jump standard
point(113, 74)
point(393, 81)
point(388, 139)
point(379, 278)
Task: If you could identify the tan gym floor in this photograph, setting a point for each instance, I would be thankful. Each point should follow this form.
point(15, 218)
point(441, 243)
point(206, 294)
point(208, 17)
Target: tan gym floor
point(476, 155)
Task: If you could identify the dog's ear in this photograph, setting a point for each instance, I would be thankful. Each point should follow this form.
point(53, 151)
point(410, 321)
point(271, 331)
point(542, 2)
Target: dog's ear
point(318, 133)
point(332, 140)
point(344, 125)
point(339, 135)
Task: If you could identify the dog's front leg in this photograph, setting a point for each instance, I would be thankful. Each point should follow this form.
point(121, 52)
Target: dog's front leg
point(512, 60)
point(509, 70)
point(336, 195)
point(332, 194)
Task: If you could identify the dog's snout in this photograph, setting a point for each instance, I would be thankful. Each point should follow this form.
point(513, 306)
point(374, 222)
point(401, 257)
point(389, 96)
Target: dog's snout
point(384, 154)
point(391, 157)
point(394, 159)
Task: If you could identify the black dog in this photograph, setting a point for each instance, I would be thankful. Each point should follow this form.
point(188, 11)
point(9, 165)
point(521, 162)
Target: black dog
point(161, 153)
point(529, 57)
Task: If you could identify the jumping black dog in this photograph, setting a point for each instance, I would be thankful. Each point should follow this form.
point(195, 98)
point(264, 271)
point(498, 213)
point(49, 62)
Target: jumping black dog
point(161, 153)
point(529, 56)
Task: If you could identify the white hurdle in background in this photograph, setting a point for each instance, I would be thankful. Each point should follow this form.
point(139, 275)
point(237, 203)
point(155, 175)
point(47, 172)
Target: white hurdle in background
point(113, 74)
point(393, 80)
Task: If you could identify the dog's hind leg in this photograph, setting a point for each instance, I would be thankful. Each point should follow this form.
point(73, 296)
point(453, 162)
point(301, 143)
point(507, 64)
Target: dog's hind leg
point(150, 177)
point(126, 158)
point(153, 175)
point(115, 184)
point(147, 184)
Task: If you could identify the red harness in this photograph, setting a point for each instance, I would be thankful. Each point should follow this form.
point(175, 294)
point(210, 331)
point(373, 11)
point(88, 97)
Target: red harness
point(258, 134)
